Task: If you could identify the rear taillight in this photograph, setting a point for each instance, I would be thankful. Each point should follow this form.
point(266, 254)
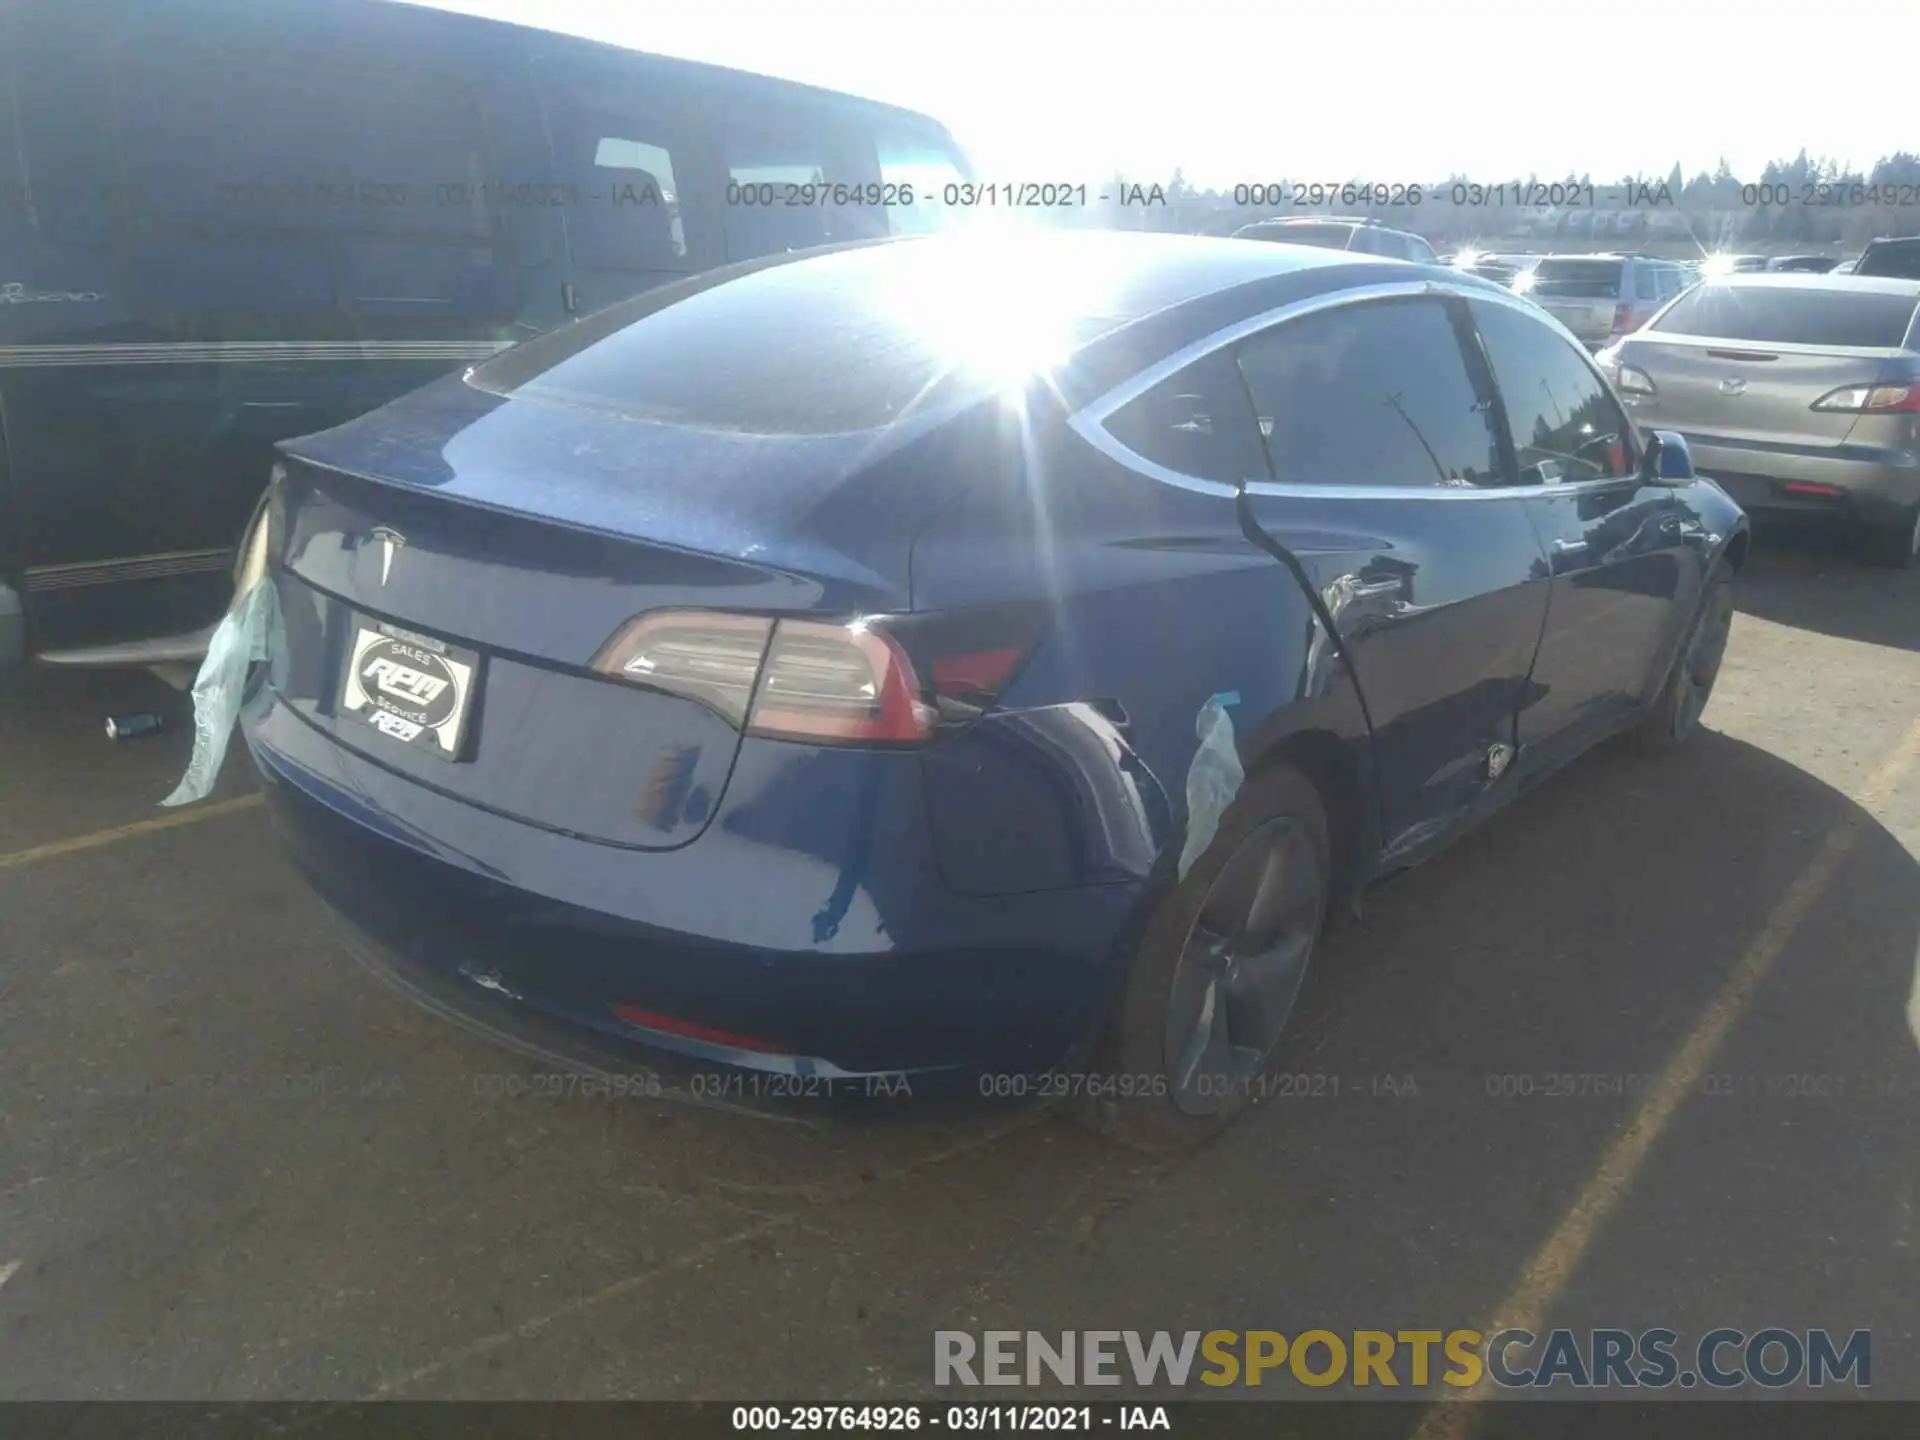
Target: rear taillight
point(703, 655)
point(1624, 320)
point(889, 680)
point(1633, 381)
point(838, 682)
point(1872, 399)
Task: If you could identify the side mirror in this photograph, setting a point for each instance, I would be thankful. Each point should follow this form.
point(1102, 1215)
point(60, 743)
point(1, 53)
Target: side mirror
point(1668, 460)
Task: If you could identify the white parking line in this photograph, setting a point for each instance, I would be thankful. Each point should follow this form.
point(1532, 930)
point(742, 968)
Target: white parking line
point(6, 1270)
point(95, 839)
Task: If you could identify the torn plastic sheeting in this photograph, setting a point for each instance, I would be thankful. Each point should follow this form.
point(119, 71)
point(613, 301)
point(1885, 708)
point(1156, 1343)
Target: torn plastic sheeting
point(1213, 779)
point(248, 633)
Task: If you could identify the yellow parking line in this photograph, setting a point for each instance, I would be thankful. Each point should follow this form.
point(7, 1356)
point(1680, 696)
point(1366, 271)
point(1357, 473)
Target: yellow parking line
point(1540, 1286)
point(98, 838)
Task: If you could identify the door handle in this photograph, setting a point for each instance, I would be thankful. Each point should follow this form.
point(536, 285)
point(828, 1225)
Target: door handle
point(1569, 547)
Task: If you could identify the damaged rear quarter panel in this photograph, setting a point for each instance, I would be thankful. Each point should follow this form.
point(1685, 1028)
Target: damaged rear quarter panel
point(1158, 602)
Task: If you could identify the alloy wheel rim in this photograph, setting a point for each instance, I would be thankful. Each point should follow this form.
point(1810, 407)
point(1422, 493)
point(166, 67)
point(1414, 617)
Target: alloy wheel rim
point(1241, 966)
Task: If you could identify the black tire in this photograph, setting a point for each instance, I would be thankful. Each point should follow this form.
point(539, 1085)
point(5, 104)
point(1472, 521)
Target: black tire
point(1675, 714)
point(1896, 546)
point(1274, 837)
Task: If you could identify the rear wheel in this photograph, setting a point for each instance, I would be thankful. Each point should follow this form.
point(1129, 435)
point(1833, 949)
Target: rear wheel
point(1676, 713)
point(1217, 972)
point(1897, 545)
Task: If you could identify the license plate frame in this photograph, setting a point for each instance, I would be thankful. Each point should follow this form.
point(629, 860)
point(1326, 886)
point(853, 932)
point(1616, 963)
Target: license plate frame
point(417, 690)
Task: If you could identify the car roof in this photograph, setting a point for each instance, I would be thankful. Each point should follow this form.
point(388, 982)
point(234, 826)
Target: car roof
point(1812, 280)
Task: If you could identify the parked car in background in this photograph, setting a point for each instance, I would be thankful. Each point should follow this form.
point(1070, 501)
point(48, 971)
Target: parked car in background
point(1332, 232)
point(1798, 393)
point(1890, 257)
point(1845, 267)
point(910, 635)
point(1803, 264)
point(223, 224)
point(1502, 269)
point(1602, 297)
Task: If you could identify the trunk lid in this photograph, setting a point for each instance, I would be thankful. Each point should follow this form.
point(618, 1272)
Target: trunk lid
point(523, 534)
point(1747, 390)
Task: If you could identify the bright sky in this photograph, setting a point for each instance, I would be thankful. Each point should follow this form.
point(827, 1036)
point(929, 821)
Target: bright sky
point(1263, 90)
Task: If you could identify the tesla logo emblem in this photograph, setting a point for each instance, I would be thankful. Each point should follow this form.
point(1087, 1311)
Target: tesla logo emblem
point(390, 541)
point(1733, 386)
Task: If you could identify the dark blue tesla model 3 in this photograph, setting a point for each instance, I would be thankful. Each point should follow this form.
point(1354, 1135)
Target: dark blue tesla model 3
point(965, 657)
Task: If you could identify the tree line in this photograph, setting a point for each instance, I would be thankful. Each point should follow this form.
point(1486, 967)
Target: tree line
point(1816, 202)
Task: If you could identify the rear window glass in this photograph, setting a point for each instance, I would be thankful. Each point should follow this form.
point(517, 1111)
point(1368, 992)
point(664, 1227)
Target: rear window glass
point(847, 341)
point(1786, 316)
point(1577, 279)
point(1899, 260)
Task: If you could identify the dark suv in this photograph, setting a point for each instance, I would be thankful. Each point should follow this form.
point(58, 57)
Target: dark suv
point(1333, 232)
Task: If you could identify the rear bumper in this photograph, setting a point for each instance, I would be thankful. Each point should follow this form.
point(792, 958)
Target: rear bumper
point(1877, 487)
point(863, 964)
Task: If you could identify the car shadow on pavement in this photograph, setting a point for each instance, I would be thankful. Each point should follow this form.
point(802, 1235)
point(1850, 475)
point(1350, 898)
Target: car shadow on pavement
point(1815, 580)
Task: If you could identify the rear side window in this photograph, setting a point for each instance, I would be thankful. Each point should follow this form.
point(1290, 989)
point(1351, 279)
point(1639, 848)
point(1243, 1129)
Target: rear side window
point(1419, 250)
point(1790, 315)
point(1566, 428)
point(925, 167)
point(1374, 394)
point(1197, 422)
point(1577, 279)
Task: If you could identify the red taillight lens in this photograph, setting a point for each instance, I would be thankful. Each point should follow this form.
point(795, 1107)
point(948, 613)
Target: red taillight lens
point(1624, 320)
point(1872, 399)
point(838, 682)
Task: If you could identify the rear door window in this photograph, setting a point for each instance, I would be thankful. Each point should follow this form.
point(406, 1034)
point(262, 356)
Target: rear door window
point(1565, 426)
point(1577, 279)
point(1793, 315)
point(1374, 394)
point(1197, 422)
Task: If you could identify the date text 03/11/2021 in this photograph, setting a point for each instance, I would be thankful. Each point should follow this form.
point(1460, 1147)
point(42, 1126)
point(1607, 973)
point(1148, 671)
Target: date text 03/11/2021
point(965, 1419)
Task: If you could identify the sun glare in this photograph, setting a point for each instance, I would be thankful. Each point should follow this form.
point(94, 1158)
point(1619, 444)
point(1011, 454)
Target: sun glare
point(997, 311)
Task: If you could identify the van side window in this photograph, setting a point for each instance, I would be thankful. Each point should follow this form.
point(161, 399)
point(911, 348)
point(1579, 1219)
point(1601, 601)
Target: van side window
point(628, 215)
point(772, 201)
point(925, 168)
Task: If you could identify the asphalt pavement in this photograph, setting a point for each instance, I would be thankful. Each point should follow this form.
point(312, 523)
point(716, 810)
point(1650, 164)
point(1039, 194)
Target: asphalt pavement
point(1640, 1053)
